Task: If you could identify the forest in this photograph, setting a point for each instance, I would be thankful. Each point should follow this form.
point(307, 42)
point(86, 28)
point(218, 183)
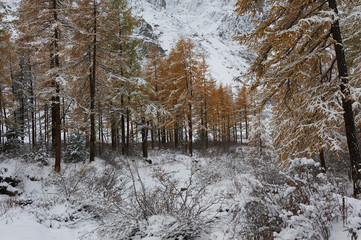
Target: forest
point(106, 136)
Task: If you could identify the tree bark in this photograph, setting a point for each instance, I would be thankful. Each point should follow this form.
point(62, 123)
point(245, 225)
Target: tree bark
point(322, 159)
point(122, 120)
point(353, 148)
point(1, 115)
point(128, 128)
point(144, 138)
point(92, 87)
point(56, 103)
point(190, 130)
point(33, 115)
point(113, 130)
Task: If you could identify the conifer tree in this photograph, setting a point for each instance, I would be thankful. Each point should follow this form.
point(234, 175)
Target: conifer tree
point(121, 61)
point(40, 29)
point(155, 71)
point(203, 89)
point(300, 55)
point(350, 22)
point(5, 55)
point(183, 68)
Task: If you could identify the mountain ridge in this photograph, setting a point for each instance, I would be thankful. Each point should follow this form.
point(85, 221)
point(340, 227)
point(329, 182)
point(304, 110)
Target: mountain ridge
point(210, 24)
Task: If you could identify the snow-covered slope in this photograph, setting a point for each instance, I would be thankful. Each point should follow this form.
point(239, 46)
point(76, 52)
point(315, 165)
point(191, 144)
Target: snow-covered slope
point(211, 24)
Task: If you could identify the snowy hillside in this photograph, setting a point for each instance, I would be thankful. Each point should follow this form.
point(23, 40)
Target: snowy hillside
point(210, 23)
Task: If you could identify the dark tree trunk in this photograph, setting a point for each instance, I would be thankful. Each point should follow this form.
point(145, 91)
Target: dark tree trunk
point(100, 130)
point(353, 148)
point(322, 159)
point(92, 87)
point(246, 122)
point(128, 129)
point(57, 131)
point(56, 104)
point(33, 115)
point(206, 123)
point(240, 129)
point(64, 123)
point(46, 124)
point(164, 136)
point(176, 137)
point(159, 137)
point(1, 115)
point(190, 131)
point(144, 139)
point(113, 130)
point(152, 136)
point(122, 120)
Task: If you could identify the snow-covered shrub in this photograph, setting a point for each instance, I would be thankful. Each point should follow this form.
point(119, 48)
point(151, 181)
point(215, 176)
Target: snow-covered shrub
point(260, 139)
point(262, 223)
point(310, 204)
point(76, 148)
point(303, 205)
point(255, 217)
point(216, 165)
point(187, 204)
point(70, 183)
point(40, 155)
point(12, 147)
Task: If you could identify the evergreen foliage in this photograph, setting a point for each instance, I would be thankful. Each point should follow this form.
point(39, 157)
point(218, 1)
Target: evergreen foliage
point(76, 150)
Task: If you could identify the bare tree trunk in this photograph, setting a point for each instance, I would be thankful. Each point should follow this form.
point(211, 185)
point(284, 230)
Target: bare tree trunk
point(56, 128)
point(176, 137)
point(122, 120)
point(1, 115)
point(46, 124)
point(190, 130)
point(322, 159)
point(144, 138)
point(128, 128)
point(57, 131)
point(64, 123)
point(152, 135)
point(92, 86)
point(159, 136)
point(113, 130)
point(241, 131)
point(348, 115)
point(33, 109)
point(246, 122)
point(100, 130)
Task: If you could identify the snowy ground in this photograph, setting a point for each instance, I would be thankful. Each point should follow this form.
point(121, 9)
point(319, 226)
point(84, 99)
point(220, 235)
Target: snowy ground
point(93, 201)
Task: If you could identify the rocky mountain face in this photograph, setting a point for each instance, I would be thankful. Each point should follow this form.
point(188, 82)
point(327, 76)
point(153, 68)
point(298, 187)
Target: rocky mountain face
point(211, 24)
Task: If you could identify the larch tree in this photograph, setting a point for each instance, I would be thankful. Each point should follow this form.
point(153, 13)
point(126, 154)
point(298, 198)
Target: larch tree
point(120, 58)
point(154, 71)
point(350, 25)
point(86, 19)
point(301, 66)
point(5, 80)
point(184, 66)
point(40, 27)
point(204, 87)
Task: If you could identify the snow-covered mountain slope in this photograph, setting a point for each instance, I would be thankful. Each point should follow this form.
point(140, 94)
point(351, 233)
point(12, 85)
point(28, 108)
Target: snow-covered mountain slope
point(211, 24)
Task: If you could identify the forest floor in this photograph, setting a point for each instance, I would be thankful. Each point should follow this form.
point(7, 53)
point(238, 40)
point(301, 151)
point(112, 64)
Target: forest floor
point(172, 196)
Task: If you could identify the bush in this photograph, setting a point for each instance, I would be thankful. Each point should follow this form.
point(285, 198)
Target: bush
point(41, 155)
point(302, 204)
point(75, 148)
point(170, 210)
point(12, 146)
